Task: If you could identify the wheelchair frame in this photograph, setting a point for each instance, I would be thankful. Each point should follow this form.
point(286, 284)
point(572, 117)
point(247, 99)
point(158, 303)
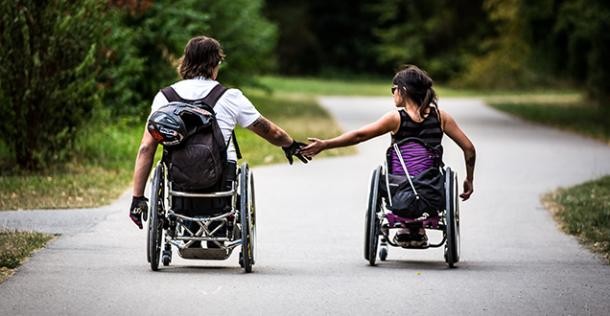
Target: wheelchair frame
point(170, 228)
point(379, 221)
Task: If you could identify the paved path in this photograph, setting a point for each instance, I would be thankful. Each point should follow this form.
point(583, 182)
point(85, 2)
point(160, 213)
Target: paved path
point(515, 260)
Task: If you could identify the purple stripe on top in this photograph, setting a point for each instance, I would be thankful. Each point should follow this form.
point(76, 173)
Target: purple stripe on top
point(417, 157)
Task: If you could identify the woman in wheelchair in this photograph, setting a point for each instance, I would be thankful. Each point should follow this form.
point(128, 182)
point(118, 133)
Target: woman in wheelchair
point(417, 116)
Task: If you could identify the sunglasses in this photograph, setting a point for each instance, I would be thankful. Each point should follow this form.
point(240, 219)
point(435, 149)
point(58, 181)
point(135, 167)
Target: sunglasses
point(393, 89)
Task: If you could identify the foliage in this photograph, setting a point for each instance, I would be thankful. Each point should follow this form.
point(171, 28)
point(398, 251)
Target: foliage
point(436, 35)
point(319, 36)
point(504, 63)
point(151, 39)
point(48, 86)
point(570, 38)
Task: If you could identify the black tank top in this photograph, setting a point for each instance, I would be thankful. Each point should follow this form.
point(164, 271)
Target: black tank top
point(429, 130)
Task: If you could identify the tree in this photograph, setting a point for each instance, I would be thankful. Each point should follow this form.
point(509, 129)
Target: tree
point(48, 75)
point(148, 41)
point(570, 38)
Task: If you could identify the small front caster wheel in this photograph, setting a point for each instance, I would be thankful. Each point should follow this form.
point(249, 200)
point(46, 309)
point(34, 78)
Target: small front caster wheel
point(383, 253)
point(166, 258)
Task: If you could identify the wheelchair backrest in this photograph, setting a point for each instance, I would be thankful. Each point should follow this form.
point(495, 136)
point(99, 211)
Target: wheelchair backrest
point(417, 155)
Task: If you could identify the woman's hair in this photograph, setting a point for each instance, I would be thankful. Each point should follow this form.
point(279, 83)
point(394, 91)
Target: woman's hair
point(415, 84)
point(201, 55)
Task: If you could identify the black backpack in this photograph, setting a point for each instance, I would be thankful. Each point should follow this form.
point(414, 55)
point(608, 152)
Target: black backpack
point(198, 162)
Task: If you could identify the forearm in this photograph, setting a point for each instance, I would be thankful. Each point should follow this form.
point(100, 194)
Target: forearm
point(347, 139)
point(279, 137)
point(271, 132)
point(142, 168)
point(470, 157)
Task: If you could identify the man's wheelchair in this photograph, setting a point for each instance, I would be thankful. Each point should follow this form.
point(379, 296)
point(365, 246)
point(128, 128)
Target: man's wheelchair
point(381, 223)
point(199, 233)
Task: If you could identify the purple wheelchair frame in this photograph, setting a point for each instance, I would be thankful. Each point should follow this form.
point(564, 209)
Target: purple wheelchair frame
point(418, 157)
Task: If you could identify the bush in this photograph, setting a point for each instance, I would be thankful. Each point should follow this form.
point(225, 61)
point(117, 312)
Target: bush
point(147, 42)
point(48, 75)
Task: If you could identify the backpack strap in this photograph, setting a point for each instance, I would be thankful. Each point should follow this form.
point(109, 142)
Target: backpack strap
point(171, 95)
point(211, 99)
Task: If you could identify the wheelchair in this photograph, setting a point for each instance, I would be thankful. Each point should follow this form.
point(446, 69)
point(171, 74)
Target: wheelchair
point(221, 229)
point(381, 223)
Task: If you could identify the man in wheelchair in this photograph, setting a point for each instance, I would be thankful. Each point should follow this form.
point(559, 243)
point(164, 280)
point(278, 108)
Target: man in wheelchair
point(417, 117)
point(169, 124)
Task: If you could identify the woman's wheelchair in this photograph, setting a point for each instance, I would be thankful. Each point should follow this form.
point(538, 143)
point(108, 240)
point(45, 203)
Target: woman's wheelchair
point(230, 221)
point(381, 223)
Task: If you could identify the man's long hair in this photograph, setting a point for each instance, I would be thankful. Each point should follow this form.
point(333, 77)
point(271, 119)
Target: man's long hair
point(201, 55)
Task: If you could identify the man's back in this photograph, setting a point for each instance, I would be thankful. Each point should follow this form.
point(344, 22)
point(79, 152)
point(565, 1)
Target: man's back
point(231, 109)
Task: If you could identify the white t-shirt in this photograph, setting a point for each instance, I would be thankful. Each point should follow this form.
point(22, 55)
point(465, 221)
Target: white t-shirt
point(232, 108)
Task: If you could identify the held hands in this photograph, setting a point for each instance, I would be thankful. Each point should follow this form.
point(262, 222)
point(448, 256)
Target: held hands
point(294, 149)
point(315, 147)
point(139, 205)
point(468, 189)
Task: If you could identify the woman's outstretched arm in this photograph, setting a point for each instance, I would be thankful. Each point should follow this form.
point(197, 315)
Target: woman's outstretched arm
point(387, 123)
point(451, 128)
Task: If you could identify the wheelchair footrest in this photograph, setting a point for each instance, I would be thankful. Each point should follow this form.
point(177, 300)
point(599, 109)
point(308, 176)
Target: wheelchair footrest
point(205, 253)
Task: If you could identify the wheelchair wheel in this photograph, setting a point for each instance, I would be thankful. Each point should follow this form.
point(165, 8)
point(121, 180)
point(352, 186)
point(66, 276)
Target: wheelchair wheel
point(452, 219)
point(155, 220)
point(372, 223)
point(246, 218)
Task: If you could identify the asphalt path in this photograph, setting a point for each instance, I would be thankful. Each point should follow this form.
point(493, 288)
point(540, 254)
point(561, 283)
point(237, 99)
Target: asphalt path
point(310, 240)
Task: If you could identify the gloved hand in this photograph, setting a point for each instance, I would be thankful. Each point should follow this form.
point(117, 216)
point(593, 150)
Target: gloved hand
point(294, 149)
point(139, 205)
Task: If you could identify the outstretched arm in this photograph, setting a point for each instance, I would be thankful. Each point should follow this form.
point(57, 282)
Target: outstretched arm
point(270, 132)
point(451, 128)
point(387, 123)
point(278, 137)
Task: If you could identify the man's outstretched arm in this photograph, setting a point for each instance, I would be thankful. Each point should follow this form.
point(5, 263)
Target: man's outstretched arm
point(278, 137)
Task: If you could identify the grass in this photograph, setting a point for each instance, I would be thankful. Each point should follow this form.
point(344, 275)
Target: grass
point(15, 247)
point(374, 86)
point(300, 117)
point(105, 153)
point(579, 117)
point(584, 211)
point(97, 175)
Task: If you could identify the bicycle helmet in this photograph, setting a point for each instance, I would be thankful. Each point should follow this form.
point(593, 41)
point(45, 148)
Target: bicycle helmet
point(175, 121)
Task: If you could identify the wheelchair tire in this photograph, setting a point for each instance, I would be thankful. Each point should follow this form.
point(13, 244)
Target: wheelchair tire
point(372, 222)
point(245, 210)
point(155, 222)
point(452, 219)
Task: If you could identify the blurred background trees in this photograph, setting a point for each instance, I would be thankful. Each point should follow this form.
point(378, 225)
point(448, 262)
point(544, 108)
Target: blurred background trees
point(64, 61)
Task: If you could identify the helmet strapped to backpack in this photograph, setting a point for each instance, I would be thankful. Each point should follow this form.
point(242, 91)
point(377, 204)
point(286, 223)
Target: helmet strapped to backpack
point(176, 121)
point(195, 150)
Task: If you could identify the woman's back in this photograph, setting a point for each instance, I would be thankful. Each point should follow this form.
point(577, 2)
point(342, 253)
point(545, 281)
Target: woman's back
point(429, 130)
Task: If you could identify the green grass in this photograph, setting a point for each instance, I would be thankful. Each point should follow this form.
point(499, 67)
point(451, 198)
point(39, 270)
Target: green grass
point(98, 174)
point(105, 153)
point(582, 118)
point(374, 86)
point(584, 211)
point(300, 117)
point(15, 247)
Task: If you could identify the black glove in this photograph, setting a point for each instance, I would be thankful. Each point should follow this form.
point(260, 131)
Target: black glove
point(139, 205)
point(294, 149)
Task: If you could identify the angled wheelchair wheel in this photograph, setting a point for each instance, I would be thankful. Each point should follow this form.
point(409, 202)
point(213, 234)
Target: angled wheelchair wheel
point(246, 207)
point(372, 222)
point(155, 220)
point(452, 219)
